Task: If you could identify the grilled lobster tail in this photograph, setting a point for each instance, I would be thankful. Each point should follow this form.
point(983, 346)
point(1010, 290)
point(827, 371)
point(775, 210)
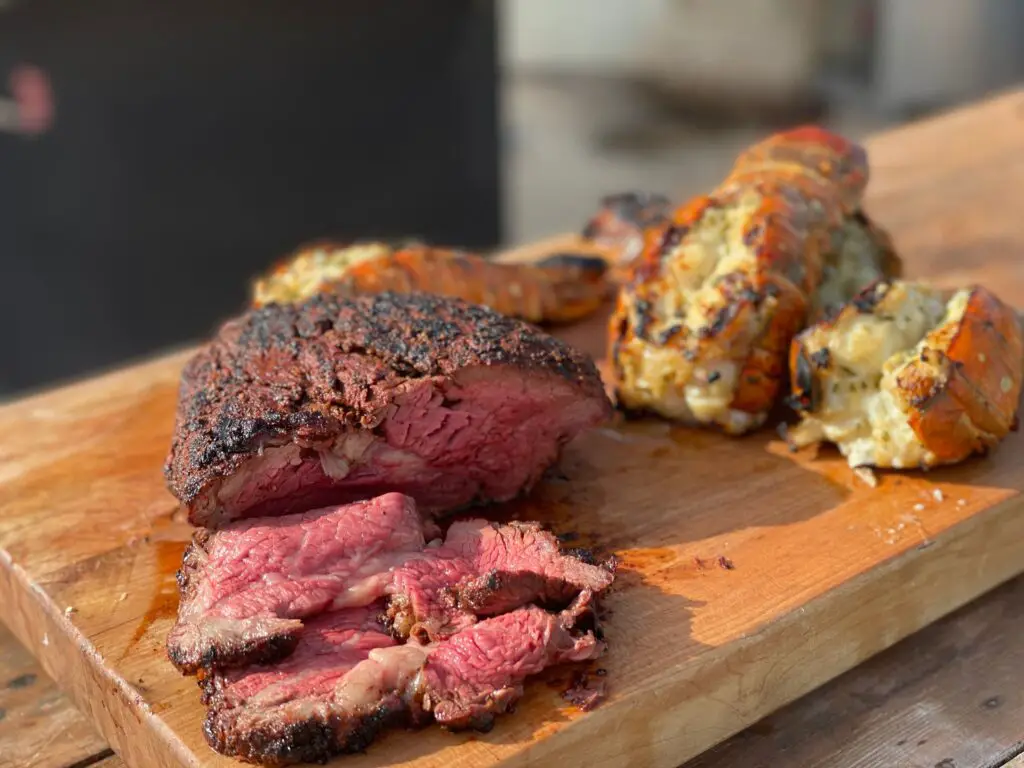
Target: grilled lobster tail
point(702, 329)
point(908, 375)
point(561, 288)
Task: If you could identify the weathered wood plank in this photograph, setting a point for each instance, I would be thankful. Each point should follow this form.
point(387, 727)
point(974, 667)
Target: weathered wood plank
point(39, 726)
point(947, 189)
point(950, 695)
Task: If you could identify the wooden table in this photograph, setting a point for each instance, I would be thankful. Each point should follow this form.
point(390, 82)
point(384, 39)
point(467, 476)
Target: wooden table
point(951, 696)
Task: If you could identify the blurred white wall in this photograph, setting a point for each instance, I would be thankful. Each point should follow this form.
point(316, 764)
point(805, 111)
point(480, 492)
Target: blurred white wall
point(767, 48)
point(944, 51)
point(592, 36)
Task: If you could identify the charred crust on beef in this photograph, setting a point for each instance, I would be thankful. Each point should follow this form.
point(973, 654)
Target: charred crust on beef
point(260, 651)
point(274, 371)
point(194, 553)
point(312, 740)
point(586, 556)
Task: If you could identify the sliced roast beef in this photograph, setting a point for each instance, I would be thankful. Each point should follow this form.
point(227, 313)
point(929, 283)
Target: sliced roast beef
point(484, 569)
point(347, 679)
point(246, 588)
point(301, 406)
point(479, 672)
point(328, 647)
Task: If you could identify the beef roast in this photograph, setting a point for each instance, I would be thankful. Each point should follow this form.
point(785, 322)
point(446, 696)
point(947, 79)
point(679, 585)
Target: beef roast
point(246, 588)
point(295, 407)
point(348, 679)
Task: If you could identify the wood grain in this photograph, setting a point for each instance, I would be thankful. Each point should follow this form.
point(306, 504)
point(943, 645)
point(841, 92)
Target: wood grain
point(39, 726)
point(825, 572)
point(951, 695)
point(948, 189)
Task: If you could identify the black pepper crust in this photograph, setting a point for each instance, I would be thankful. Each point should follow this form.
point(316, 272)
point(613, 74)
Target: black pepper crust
point(310, 370)
point(191, 560)
point(276, 741)
point(229, 656)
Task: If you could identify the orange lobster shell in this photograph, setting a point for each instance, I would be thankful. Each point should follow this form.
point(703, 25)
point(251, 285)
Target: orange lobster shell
point(560, 288)
point(702, 329)
point(624, 225)
point(964, 399)
point(953, 392)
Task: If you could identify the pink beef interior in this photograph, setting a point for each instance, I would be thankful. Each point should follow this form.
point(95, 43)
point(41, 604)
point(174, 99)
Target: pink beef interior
point(480, 671)
point(483, 569)
point(302, 565)
point(331, 645)
point(488, 437)
point(346, 678)
point(248, 585)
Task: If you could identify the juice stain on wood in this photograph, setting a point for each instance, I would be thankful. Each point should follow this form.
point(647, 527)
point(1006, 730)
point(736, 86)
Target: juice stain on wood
point(164, 601)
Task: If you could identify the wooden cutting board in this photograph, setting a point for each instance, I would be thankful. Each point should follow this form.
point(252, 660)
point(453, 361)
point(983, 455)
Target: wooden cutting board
point(749, 575)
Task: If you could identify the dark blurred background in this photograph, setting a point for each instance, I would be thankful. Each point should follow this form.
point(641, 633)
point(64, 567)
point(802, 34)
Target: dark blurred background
point(195, 141)
point(155, 155)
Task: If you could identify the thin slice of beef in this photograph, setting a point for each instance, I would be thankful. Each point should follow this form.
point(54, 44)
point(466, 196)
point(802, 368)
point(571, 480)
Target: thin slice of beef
point(279, 713)
point(479, 673)
point(246, 588)
point(301, 406)
point(334, 695)
point(328, 647)
point(484, 569)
